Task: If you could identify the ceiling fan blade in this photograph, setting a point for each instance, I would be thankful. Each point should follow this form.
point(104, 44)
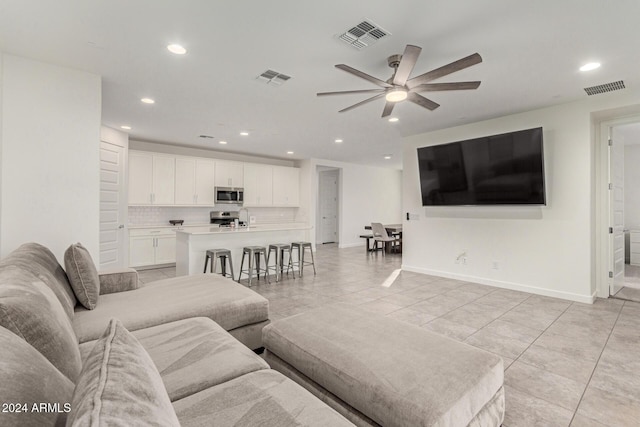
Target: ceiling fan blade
point(373, 98)
point(435, 87)
point(422, 101)
point(346, 92)
point(362, 75)
point(388, 108)
point(458, 65)
point(408, 61)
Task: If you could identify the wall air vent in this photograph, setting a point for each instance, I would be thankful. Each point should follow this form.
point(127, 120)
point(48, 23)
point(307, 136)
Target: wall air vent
point(607, 87)
point(364, 34)
point(273, 78)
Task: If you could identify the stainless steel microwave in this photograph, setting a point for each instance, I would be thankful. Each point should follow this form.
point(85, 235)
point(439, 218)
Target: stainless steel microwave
point(229, 195)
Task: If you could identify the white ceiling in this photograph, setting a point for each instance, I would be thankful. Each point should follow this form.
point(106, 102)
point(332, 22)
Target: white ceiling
point(531, 51)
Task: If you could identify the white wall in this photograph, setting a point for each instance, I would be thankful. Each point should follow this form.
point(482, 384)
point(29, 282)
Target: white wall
point(546, 250)
point(367, 194)
point(50, 156)
point(632, 187)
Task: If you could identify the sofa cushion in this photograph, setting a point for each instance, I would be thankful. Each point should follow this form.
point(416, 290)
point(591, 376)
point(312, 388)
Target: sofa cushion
point(393, 372)
point(194, 354)
point(228, 303)
point(120, 385)
point(263, 398)
point(29, 309)
point(35, 259)
point(28, 378)
point(83, 275)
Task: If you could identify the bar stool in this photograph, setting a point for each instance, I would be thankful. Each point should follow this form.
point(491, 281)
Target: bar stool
point(301, 246)
point(254, 253)
point(223, 255)
point(279, 249)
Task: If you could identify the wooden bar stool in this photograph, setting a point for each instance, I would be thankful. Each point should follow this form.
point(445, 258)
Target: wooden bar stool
point(254, 253)
point(278, 267)
point(300, 263)
point(223, 255)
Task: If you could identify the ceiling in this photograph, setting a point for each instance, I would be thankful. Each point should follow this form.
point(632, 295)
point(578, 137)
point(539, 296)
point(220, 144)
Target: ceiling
point(531, 51)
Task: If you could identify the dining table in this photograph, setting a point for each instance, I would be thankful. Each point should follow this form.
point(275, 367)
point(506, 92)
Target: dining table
point(392, 229)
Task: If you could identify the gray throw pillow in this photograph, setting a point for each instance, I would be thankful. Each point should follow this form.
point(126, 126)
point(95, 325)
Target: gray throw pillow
point(33, 391)
point(120, 385)
point(83, 275)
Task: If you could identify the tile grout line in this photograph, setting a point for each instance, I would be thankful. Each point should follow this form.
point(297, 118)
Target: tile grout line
point(596, 365)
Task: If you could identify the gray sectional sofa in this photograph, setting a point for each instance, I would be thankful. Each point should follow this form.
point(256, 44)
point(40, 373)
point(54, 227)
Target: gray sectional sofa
point(179, 353)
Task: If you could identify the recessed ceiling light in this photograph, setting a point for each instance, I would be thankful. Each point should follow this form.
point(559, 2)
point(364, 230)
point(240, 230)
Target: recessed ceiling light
point(338, 141)
point(590, 66)
point(177, 49)
point(125, 127)
point(222, 142)
point(244, 133)
point(393, 119)
point(148, 101)
point(289, 152)
point(387, 157)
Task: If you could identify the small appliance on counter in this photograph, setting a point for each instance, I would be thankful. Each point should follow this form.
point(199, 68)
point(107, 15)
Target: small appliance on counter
point(224, 218)
point(176, 221)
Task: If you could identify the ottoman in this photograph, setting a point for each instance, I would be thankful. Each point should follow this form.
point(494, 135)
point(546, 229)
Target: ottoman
point(379, 371)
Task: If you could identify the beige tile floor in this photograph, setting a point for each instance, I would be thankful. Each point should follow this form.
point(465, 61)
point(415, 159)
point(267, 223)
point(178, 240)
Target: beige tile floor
point(566, 364)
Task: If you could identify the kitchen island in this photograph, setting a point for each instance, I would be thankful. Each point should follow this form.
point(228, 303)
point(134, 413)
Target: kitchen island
point(192, 243)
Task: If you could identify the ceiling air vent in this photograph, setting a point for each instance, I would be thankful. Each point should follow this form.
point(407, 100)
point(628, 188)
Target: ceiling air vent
point(273, 78)
point(607, 87)
point(364, 34)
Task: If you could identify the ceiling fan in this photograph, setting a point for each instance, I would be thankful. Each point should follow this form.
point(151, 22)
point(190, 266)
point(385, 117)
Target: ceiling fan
point(400, 87)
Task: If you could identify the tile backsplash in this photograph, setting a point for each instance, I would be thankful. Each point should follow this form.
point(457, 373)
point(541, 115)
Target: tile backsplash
point(160, 215)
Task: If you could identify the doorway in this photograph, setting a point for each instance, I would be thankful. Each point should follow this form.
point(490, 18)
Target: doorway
point(328, 205)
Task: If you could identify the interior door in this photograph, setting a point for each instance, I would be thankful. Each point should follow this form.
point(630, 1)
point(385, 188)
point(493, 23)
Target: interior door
point(113, 203)
point(329, 206)
point(616, 215)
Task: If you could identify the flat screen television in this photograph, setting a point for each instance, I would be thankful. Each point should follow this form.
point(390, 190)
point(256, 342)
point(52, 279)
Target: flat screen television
point(505, 169)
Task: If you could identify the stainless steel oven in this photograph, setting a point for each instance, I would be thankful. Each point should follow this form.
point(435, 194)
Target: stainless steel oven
point(229, 195)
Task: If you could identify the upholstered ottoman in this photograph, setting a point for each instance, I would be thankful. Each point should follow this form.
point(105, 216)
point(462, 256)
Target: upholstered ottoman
point(379, 371)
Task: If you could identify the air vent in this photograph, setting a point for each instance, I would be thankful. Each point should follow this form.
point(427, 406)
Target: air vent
point(364, 34)
point(206, 136)
point(607, 87)
point(273, 78)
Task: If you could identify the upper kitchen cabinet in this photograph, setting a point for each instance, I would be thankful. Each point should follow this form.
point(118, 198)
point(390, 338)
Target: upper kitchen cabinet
point(258, 185)
point(194, 181)
point(286, 186)
point(229, 174)
point(151, 179)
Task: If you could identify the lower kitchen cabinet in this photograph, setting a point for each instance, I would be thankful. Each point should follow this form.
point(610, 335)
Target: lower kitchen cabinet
point(152, 246)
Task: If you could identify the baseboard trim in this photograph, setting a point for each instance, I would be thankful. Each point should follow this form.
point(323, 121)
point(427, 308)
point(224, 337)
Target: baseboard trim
point(350, 245)
point(586, 299)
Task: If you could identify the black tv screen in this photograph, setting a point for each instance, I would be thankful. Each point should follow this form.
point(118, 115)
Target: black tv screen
point(505, 169)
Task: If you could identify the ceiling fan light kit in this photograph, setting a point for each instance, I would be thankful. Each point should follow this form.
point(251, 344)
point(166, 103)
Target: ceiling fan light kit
point(400, 87)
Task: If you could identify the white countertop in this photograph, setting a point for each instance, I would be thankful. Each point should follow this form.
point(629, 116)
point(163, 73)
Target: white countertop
point(256, 228)
point(135, 227)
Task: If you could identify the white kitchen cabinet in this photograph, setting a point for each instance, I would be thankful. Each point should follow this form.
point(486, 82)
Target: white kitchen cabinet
point(286, 186)
point(194, 181)
point(229, 174)
point(258, 185)
point(151, 179)
point(152, 246)
point(634, 243)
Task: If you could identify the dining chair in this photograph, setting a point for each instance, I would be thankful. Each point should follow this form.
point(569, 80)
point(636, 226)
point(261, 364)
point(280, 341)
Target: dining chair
point(380, 235)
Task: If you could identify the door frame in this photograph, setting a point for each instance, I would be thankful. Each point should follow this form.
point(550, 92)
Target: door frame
point(318, 220)
point(603, 253)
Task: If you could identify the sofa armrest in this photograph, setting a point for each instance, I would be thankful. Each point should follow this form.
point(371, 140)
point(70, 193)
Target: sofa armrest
point(118, 280)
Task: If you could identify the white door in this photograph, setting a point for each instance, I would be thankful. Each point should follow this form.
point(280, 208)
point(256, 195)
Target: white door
point(165, 249)
point(164, 172)
point(616, 216)
point(328, 206)
point(142, 250)
point(113, 201)
point(205, 171)
point(185, 182)
point(140, 178)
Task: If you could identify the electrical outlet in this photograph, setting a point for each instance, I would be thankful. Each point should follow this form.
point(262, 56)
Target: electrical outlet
point(462, 258)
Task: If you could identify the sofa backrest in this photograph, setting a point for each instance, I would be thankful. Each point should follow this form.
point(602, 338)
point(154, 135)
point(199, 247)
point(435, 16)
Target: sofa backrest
point(30, 309)
point(39, 261)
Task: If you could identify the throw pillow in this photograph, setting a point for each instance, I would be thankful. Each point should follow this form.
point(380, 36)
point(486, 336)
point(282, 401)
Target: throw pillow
point(32, 391)
point(120, 386)
point(83, 275)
